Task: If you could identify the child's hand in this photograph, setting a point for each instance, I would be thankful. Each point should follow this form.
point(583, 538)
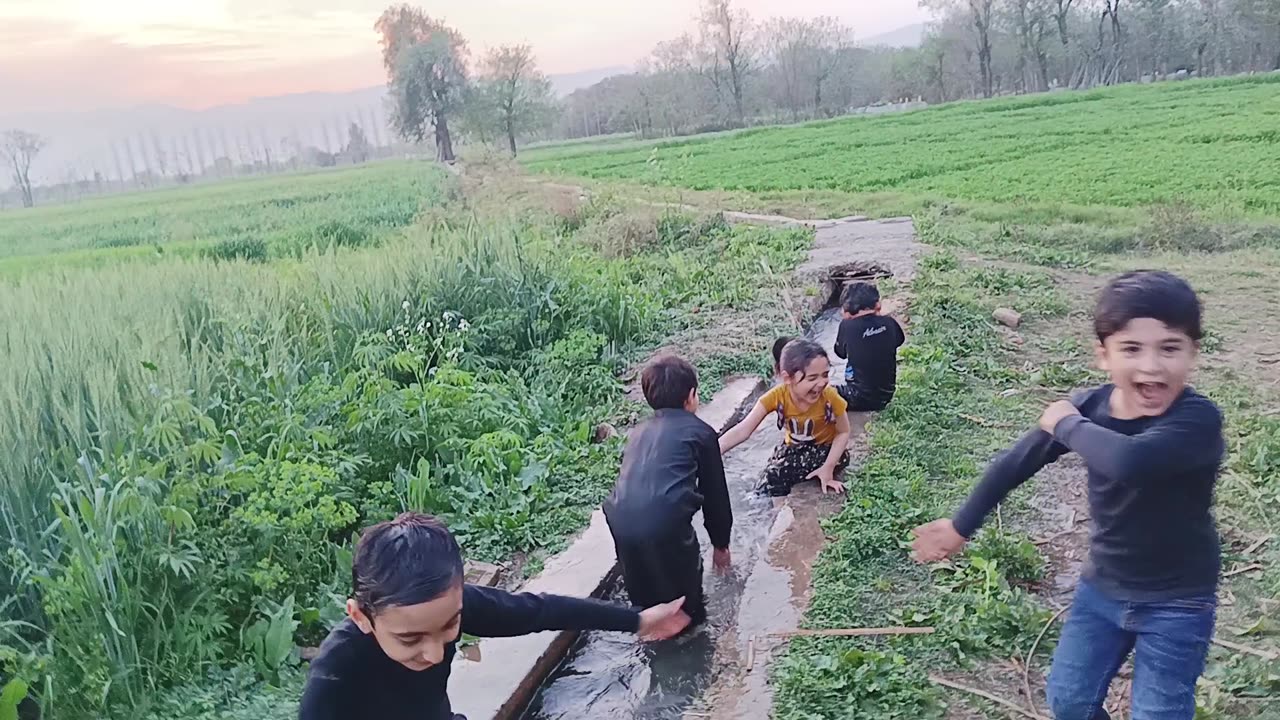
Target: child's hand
point(1055, 414)
point(721, 559)
point(826, 476)
point(936, 541)
point(663, 621)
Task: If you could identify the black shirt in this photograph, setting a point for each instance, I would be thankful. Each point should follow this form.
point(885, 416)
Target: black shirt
point(352, 678)
point(670, 468)
point(1150, 493)
point(870, 344)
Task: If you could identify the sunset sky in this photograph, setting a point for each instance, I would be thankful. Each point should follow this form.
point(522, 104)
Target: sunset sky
point(66, 55)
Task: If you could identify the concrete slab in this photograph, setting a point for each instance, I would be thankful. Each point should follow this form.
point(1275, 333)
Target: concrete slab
point(778, 587)
point(495, 679)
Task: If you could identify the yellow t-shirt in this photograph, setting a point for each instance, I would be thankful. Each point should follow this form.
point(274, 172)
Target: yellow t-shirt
point(816, 426)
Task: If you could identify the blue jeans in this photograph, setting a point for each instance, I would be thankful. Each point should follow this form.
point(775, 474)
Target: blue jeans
point(1169, 641)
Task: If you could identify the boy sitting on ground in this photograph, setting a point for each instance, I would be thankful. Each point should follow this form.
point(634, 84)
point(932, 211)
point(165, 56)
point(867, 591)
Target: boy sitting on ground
point(671, 467)
point(391, 657)
point(869, 342)
point(1153, 447)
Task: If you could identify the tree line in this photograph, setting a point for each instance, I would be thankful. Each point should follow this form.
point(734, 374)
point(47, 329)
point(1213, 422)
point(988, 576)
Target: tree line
point(732, 70)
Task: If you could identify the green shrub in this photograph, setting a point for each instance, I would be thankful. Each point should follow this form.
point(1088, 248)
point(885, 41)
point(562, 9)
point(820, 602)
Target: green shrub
point(238, 248)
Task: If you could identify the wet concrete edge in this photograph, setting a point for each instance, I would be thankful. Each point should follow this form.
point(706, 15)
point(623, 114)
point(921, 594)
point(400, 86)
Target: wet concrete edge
point(510, 670)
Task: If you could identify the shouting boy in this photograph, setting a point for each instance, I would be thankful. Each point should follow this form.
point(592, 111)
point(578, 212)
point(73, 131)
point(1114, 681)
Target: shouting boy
point(671, 467)
point(1153, 447)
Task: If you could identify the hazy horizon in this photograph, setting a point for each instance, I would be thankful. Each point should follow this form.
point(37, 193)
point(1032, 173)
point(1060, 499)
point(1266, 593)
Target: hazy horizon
point(81, 55)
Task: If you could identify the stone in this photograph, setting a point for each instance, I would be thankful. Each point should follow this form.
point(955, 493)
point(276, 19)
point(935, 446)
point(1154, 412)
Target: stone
point(1008, 317)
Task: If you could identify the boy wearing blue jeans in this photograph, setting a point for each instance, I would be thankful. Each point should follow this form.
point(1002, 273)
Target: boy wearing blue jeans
point(1153, 447)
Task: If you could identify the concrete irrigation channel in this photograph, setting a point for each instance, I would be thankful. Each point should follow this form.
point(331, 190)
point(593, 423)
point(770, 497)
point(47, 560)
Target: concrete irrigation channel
point(721, 669)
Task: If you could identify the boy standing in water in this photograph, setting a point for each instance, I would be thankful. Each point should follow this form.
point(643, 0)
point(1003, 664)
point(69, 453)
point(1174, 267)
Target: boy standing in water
point(671, 467)
point(390, 659)
point(1153, 447)
point(870, 342)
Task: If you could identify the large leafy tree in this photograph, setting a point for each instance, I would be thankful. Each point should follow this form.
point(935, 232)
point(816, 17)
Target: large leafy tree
point(426, 73)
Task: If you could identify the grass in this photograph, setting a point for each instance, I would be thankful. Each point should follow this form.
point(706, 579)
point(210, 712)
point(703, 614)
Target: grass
point(1206, 143)
point(191, 443)
point(1029, 203)
point(251, 218)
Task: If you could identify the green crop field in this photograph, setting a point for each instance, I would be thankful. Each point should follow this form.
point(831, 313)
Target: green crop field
point(190, 443)
point(252, 219)
point(1213, 144)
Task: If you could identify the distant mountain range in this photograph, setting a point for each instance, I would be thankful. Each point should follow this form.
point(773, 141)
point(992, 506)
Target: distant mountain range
point(119, 143)
point(910, 36)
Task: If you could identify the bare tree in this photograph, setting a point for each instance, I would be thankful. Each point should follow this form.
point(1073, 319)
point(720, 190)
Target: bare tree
point(427, 75)
point(519, 93)
point(726, 36)
point(20, 149)
point(803, 55)
point(980, 18)
point(1031, 22)
point(681, 100)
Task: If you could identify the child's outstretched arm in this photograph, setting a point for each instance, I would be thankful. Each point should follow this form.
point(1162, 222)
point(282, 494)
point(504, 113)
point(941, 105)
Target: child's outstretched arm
point(736, 435)
point(827, 473)
point(717, 512)
point(490, 612)
point(1189, 436)
point(942, 538)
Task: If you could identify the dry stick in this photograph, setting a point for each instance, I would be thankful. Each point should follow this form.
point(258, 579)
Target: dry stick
point(983, 421)
point(1026, 665)
point(987, 696)
point(1258, 545)
point(854, 632)
point(1245, 569)
point(1264, 654)
point(751, 653)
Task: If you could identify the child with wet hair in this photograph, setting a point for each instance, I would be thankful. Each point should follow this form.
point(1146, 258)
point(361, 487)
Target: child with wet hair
point(671, 468)
point(813, 416)
point(409, 605)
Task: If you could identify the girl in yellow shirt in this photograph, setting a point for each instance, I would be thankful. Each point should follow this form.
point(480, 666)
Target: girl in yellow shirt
point(814, 417)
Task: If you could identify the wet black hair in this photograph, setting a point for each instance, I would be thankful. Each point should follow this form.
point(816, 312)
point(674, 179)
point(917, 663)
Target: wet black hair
point(858, 297)
point(1152, 294)
point(777, 352)
point(667, 381)
point(407, 561)
point(797, 355)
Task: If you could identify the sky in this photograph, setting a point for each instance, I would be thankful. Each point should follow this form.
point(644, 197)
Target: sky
point(82, 55)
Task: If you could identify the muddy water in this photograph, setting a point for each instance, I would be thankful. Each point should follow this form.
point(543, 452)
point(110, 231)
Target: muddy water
point(611, 675)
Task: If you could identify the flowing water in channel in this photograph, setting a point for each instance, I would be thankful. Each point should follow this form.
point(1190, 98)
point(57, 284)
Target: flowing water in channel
point(610, 675)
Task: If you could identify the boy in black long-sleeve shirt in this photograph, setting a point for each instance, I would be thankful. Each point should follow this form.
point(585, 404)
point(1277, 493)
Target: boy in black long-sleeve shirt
point(1153, 447)
point(671, 467)
point(391, 657)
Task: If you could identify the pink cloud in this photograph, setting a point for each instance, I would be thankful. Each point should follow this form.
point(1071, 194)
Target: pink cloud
point(75, 70)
